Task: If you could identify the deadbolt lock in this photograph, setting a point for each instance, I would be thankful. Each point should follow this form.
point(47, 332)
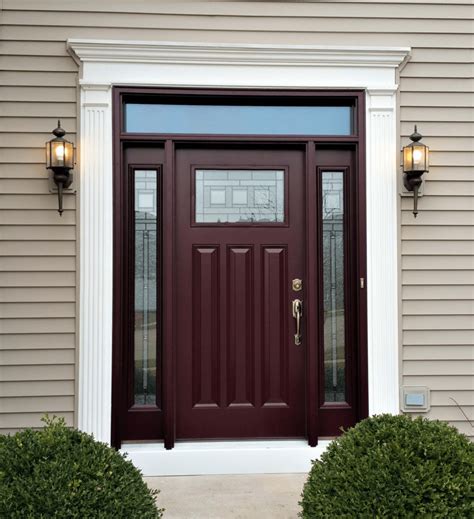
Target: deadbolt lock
point(297, 284)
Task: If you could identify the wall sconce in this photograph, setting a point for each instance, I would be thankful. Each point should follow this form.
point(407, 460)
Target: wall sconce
point(415, 163)
point(60, 157)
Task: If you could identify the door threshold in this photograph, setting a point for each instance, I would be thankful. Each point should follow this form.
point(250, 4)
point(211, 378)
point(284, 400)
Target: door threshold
point(224, 457)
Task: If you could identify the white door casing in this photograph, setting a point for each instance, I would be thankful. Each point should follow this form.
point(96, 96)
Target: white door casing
point(105, 63)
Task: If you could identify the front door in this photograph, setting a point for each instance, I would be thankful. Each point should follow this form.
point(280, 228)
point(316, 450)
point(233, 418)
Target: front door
point(240, 228)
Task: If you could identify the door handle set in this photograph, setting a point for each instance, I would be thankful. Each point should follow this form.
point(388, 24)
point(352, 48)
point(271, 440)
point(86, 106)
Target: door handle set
point(297, 308)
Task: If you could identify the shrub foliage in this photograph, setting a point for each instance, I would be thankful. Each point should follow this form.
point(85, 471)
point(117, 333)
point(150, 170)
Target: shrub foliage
point(393, 466)
point(63, 473)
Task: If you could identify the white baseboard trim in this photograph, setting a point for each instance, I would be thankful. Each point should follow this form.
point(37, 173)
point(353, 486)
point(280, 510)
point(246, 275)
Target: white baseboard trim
point(224, 457)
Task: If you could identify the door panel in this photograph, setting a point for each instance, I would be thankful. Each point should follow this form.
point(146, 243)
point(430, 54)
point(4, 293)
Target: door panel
point(239, 372)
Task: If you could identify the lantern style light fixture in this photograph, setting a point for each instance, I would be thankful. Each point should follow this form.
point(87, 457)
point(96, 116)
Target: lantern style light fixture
point(60, 158)
point(415, 163)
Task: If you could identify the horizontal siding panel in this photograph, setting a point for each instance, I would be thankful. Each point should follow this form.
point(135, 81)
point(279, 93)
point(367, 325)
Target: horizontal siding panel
point(37, 295)
point(443, 248)
point(36, 341)
point(28, 155)
point(28, 140)
point(438, 367)
point(454, 174)
point(38, 93)
point(424, 55)
point(38, 263)
point(31, 373)
point(36, 217)
point(37, 279)
point(463, 427)
point(438, 322)
point(451, 413)
point(438, 217)
point(38, 232)
point(37, 388)
point(437, 263)
point(33, 48)
point(37, 357)
point(24, 310)
point(442, 398)
point(447, 144)
point(422, 114)
point(441, 383)
point(37, 123)
point(439, 292)
point(38, 79)
point(421, 84)
point(387, 38)
point(46, 201)
point(439, 128)
point(39, 63)
point(33, 171)
point(38, 248)
point(442, 337)
point(33, 404)
point(440, 203)
point(42, 325)
point(452, 158)
point(323, 23)
point(433, 232)
point(437, 8)
point(435, 99)
point(435, 308)
point(447, 188)
point(438, 277)
point(23, 420)
point(439, 352)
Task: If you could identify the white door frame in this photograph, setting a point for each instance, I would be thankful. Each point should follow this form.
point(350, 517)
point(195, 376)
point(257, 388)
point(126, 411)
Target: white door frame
point(104, 63)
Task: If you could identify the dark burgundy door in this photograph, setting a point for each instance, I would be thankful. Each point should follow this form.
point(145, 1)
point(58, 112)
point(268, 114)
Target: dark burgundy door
point(239, 244)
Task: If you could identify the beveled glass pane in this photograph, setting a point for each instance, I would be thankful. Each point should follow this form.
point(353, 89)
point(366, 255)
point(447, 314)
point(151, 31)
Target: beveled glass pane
point(239, 196)
point(238, 119)
point(333, 286)
point(145, 330)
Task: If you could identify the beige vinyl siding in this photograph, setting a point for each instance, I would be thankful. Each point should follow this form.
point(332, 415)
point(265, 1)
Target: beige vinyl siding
point(39, 250)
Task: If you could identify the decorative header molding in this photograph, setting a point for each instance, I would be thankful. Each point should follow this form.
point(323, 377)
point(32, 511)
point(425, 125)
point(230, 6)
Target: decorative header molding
point(235, 54)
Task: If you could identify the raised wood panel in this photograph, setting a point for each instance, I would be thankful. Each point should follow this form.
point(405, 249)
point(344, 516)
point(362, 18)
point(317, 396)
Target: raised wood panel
point(38, 232)
point(438, 352)
point(32, 372)
point(443, 248)
point(442, 337)
point(438, 322)
point(36, 341)
point(438, 367)
point(37, 388)
point(37, 357)
point(441, 383)
point(38, 263)
point(27, 310)
point(206, 327)
point(32, 325)
point(240, 322)
point(435, 308)
point(275, 377)
point(22, 420)
point(437, 263)
point(439, 292)
point(432, 232)
point(37, 295)
point(37, 279)
point(31, 404)
point(438, 277)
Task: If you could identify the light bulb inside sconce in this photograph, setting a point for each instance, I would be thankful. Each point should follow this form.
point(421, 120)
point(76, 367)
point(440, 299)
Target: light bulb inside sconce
point(417, 155)
point(60, 152)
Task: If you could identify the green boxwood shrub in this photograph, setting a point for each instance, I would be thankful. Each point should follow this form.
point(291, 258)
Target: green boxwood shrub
point(393, 466)
point(59, 472)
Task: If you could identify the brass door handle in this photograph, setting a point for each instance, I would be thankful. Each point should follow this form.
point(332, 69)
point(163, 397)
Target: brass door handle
point(297, 307)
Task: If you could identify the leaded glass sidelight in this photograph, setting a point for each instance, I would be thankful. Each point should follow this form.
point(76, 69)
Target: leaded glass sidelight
point(333, 286)
point(146, 315)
